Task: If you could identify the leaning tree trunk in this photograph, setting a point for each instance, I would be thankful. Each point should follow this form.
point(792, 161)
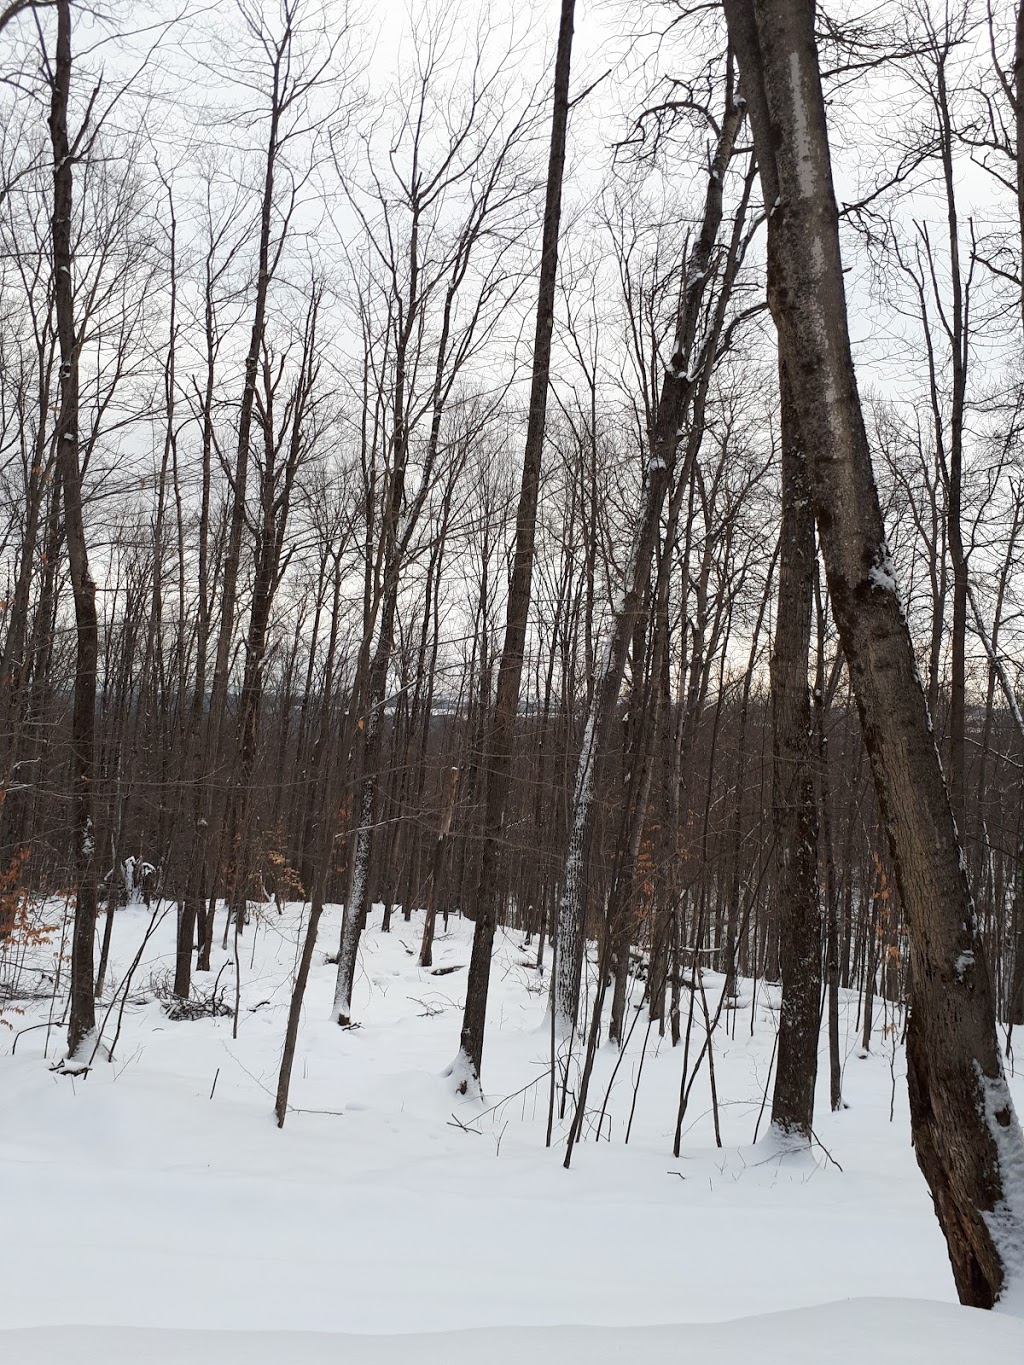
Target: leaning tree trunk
point(82, 1020)
point(679, 384)
point(965, 1132)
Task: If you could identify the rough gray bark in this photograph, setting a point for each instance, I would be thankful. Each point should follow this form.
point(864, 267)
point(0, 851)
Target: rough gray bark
point(794, 808)
point(966, 1135)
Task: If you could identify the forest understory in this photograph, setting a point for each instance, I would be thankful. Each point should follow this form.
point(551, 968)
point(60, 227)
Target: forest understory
point(389, 1204)
point(559, 468)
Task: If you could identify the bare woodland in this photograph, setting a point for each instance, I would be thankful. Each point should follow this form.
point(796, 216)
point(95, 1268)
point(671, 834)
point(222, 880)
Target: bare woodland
point(440, 479)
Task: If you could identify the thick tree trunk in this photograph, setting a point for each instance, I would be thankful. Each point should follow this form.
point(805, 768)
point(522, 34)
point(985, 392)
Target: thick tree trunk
point(794, 808)
point(966, 1134)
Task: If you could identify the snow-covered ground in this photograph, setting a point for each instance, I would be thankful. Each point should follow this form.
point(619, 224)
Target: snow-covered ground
point(158, 1193)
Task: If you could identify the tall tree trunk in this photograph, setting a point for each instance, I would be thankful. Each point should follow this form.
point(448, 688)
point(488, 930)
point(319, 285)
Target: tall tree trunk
point(822, 700)
point(15, 657)
point(794, 809)
point(956, 322)
point(283, 452)
point(323, 780)
point(1017, 99)
point(965, 1132)
point(211, 792)
point(82, 1019)
point(679, 383)
point(466, 1068)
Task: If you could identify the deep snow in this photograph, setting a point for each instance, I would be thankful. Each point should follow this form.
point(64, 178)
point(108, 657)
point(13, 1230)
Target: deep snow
point(132, 1199)
point(880, 1331)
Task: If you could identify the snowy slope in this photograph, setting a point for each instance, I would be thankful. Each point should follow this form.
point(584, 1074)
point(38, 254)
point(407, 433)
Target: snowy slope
point(884, 1332)
point(390, 1205)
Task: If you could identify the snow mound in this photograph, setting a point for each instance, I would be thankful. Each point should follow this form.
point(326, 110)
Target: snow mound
point(884, 1331)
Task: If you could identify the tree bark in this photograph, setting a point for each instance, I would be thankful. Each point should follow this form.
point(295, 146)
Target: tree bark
point(794, 807)
point(82, 1019)
point(210, 795)
point(965, 1132)
point(679, 384)
point(466, 1067)
point(430, 899)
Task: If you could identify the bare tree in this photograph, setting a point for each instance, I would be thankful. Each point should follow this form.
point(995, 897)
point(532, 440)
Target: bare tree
point(794, 808)
point(695, 342)
point(440, 234)
point(66, 149)
point(965, 1132)
point(294, 66)
point(466, 1068)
